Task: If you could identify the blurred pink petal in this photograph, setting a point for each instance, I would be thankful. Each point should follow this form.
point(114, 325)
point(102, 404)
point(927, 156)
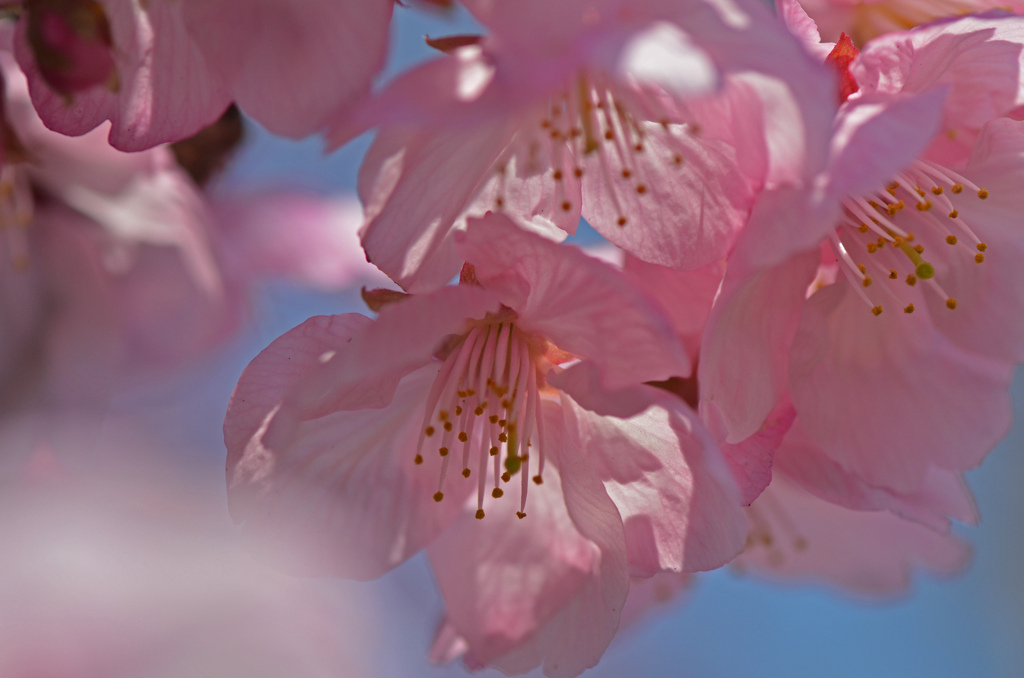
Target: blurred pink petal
point(120, 566)
point(177, 66)
point(795, 536)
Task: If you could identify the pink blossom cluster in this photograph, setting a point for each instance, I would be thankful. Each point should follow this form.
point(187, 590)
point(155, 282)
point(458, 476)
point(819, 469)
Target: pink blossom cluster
point(805, 337)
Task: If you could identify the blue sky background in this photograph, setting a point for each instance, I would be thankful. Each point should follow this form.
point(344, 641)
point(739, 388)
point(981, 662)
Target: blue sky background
point(729, 626)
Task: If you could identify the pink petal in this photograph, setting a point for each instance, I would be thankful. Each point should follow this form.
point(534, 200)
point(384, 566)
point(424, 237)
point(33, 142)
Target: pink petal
point(364, 371)
point(942, 495)
point(276, 369)
point(165, 89)
point(751, 460)
point(878, 136)
point(799, 23)
point(581, 305)
point(978, 58)
point(797, 536)
point(591, 623)
point(677, 501)
point(280, 58)
point(865, 385)
point(742, 370)
point(415, 187)
point(503, 579)
point(341, 495)
point(990, 296)
point(684, 296)
point(637, 199)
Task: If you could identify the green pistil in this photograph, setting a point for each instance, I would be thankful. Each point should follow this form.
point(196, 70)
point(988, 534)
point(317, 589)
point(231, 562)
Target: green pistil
point(923, 269)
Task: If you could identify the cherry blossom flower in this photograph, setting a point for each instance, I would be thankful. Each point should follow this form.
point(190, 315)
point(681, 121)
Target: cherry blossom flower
point(892, 277)
point(627, 113)
point(161, 70)
point(342, 434)
point(809, 516)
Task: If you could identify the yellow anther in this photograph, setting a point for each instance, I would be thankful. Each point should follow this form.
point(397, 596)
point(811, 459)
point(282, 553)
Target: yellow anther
point(951, 303)
point(911, 279)
point(919, 248)
point(979, 257)
point(463, 437)
point(909, 237)
point(447, 426)
point(924, 206)
point(863, 228)
point(954, 214)
point(982, 193)
point(909, 308)
point(893, 275)
point(937, 190)
point(497, 492)
point(957, 188)
point(466, 473)
point(866, 282)
point(479, 514)
point(442, 415)
point(951, 239)
point(502, 422)
point(438, 496)
point(917, 189)
point(982, 247)
point(429, 431)
point(458, 409)
point(862, 269)
point(877, 310)
point(479, 410)
point(892, 210)
point(418, 459)
point(872, 248)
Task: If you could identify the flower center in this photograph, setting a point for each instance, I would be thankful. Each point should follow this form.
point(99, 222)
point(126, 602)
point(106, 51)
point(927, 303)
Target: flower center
point(485, 403)
point(869, 226)
point(595, 127)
